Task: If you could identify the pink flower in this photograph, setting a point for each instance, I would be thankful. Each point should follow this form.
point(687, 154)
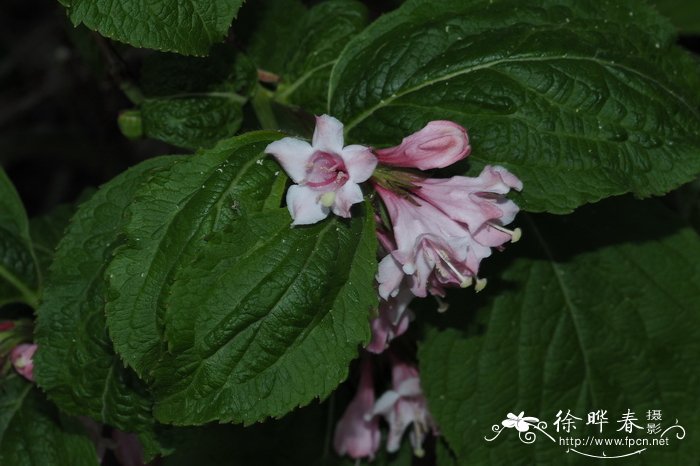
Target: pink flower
point(432, 249)
point(477, 202)
point(21, 357)
point(357, 433)
point(327, 174)
point(443, 229)
point(437, 145)
point(405, 405)
point(392, 322)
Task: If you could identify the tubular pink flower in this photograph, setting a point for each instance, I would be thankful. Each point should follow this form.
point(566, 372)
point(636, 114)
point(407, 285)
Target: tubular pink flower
point(444, 228)
point(404, 405)
point(357, 433)
point(437, 145)
point(432, 250)
point(479, 202)
point(22, 359)
point(327, 175)
point(392, 322)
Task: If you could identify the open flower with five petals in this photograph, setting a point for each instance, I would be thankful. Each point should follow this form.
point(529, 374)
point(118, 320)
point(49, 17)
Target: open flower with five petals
point(327, 174)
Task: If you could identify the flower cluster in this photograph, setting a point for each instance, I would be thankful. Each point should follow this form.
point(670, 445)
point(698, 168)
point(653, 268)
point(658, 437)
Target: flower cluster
point(433, 234)
point(358, 435)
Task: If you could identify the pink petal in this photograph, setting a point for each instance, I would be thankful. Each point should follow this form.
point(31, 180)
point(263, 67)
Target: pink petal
point(437, 145)
point(304, 206)
point(22, 360)
point(392, 321)
point(350, 193)
point(328, 135)
point(360, 162)
point(357, 433)
point(389, 276)
point(293, 154)
point(410, 387)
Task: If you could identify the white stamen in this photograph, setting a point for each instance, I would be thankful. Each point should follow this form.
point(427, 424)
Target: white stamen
point(418, 450)
point(409, 269)
point(480, 284)
point(464, 282)
point(515, 234)
point(442, 305)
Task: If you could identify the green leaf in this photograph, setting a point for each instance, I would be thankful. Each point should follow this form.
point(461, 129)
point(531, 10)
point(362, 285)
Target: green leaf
point(313, 49)
point(581, 99)
point(599, 311)
point(19, 279)
point(194, 102)
point(301, 45)
point(76, 364)
point(266, 318)
point(46, 231)
point(685, 14)
point(266, 27)
point(171, 215)
point(33, 433)
point(188, 27)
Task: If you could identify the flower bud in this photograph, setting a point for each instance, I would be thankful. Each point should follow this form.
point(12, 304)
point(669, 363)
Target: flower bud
point(22, 359)
point(439, 144)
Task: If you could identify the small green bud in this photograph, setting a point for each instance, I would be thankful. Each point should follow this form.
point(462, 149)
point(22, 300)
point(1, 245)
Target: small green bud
point(130, 124)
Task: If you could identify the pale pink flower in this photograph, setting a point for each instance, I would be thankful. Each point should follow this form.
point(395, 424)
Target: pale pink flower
point(437, 145)
point(392, 321)
point(432, 250)
point(479, 203)
point(327, 174)
point(22, 359)
point(405, 405)
point(443, 229)
point(357, 433)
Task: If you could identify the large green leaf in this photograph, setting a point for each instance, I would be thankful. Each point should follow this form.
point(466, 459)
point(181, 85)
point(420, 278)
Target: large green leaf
point(194, 102)
point(34, 433)
point(46, 232)
point(188, 27)
point(301, 45)
point(172, 215)
point(19, 277)
point(313, 49)
point(266, 318)
point(76, 364)
point(598, 311)
point(582, 99)
point(212, 276)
